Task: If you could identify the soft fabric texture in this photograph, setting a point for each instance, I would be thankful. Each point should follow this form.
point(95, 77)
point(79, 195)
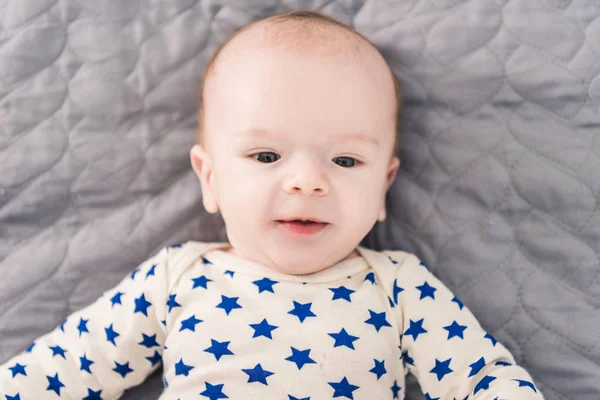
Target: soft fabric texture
point(498, 191)
point(225, 327)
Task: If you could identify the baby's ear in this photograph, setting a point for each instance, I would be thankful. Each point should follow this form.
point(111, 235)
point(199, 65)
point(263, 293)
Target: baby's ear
point(392, 170)
point(203, 168)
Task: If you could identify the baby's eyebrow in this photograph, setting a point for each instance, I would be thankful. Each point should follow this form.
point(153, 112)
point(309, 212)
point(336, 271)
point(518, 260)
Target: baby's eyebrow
point(356, 136)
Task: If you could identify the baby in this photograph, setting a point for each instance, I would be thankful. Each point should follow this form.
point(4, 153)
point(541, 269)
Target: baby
point(296, 150)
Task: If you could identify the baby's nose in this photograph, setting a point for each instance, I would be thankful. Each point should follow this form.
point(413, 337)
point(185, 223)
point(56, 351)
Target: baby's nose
point(308, 180)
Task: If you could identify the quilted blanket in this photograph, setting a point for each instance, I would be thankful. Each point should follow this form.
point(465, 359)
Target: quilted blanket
point(498, 192)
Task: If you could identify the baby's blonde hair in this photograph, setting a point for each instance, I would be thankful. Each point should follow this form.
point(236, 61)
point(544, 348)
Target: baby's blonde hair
point(299, 20)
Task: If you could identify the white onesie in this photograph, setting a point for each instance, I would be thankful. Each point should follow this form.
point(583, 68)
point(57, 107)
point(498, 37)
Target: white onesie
point(227, 328)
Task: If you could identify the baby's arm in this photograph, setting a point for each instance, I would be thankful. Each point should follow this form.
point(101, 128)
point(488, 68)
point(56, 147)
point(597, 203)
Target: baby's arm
point(445, 347)
point(101, 350)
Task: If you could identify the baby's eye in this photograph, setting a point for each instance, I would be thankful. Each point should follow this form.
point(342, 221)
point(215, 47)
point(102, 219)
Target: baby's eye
point(266, 157)
point(345, 161)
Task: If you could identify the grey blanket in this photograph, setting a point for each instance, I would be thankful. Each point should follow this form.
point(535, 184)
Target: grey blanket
point(498, 192)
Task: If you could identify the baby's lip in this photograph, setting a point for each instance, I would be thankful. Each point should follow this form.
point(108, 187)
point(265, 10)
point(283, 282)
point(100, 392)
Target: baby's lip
point(303, 219)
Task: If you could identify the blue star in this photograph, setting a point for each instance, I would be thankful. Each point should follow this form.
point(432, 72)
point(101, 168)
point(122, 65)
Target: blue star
point(151, 271)
point(62, 325)
point(503, 363)
point(228, 303)
point(342, 293)
point(155, 358)
point(214, 392)
point(258, 374)
point(484, 384)
point(201, 281)
point(54, 384)
point(134, 273)
point(302, 311)
point(172, 303)
point(18, 369)
point(182, 369)
point(111, 335)
point(30, 348)
point(85, 363)
point(15, 397)
point(228, 272)
point(391, 302)
point(301, 357)
point(263, 329)
point(176, 245)
point(92, 395)
point(57, 350)
point(370, 277)
point(265, 285)
point(396, 291)
point(290, 397)
point(442, 368)
point(148, 341)
point(116, 299)
point(343, 339)
point(343, 388)
point(205, 261)
point(377, 320)
point(526, 384)
point(395, 390)
point(190, 323)
point(415, 329)
point(455, 329)
point(219, 349)
point(427, 291)
point(428, 397)
point(476, 367)
point(379, 368)
point(493, 339)
point(457, 301)
point(408, 358)
point(83, 326)
point(392, 260)
point(141, 305)
point(122, 369)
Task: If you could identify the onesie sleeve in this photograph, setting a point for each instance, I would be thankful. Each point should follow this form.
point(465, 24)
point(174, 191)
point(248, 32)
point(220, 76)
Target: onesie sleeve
point(100, 351)
point(445, 347)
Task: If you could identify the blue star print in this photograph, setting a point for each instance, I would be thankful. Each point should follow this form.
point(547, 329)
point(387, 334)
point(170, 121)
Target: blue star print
point(15, 397)
point(116, 299)
point(457, 301)
point(455, 329)
point(228, 272)
point(428, 397)
point(201, 281)
point(258, 374)
point(396, 290)
point(378, 369)
point(182, 369)
point(290, 397)
point(477, 366)
point(54, 384)
point(172, 303)
point(395, 390)
point(377, 320)
point(190, 324)
point(342, 293)
point(415, 329)
point(122, 369)
point(302, 311)
point(484, 384)
point(370, 277)
point(148, 341)
point(214, 392)
point(141, 305)
point(151, 271)
point(427, 291)
point(82, 327)
point(442, 368)
point(228, 303)
point(111, 335)
point(18, 369)
point(85, 364)
point(154, 359)
point(343, 388)
point(300, 357)
point(263, 329)
point(265, 285)
point(526, 384)
point(219, 349)
point(58, 351)
point(93, 395)
point(343, 339)
point(408, 358)
point(493, 339)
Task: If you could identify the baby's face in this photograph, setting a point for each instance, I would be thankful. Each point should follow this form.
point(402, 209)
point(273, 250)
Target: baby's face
point(290, 135)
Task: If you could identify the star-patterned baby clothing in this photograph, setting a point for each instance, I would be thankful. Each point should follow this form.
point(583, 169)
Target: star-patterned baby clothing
point(227, 328)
